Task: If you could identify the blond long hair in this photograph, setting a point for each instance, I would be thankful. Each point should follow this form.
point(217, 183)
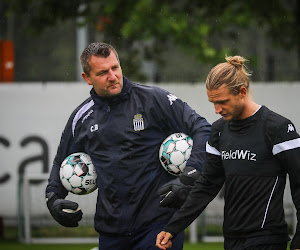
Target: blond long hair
point(233, 73)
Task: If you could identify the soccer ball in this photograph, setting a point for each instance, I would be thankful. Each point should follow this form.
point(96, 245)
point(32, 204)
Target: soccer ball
point(174, 152)
point(78, 174)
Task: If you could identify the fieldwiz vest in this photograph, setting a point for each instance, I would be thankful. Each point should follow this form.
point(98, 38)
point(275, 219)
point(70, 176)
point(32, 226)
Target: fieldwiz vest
point(248, 154)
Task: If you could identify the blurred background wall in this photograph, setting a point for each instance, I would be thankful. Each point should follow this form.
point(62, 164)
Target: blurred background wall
point(33, 116)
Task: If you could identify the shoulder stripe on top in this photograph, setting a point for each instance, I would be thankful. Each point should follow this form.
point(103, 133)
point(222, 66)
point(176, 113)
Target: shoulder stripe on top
point(79, 114)
point(287, 145)
point(212, 150)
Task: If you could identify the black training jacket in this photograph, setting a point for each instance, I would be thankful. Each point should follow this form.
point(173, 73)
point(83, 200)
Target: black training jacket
point(252, 157)
point(123, 136)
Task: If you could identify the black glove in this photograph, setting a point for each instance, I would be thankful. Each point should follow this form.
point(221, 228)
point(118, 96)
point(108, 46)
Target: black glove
point(63, 211)
point(176, 191)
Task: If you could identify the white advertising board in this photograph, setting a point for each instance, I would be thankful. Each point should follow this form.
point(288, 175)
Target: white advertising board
point(33, 116)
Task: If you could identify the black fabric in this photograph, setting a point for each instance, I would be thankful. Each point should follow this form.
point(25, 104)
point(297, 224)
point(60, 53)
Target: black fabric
point(274, 242)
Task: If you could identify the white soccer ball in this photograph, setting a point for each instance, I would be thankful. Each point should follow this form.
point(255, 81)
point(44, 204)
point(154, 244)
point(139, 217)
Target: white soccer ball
point(78, 174)
point(174, 152)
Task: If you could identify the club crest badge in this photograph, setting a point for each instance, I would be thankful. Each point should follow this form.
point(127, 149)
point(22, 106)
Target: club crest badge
point(138, 122)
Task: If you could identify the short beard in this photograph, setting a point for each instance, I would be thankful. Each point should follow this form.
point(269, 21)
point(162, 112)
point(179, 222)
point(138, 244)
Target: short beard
point(239, 110)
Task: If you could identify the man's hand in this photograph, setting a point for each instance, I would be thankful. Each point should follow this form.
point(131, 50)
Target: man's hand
point(176, 191)
point(63, 211)
point(163, 240)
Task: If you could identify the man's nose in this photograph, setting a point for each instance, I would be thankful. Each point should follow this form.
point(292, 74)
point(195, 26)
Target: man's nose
point(218, 108)
point(111, 75)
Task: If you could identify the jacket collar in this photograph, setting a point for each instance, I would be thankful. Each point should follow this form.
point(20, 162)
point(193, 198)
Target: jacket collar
point(124, 95)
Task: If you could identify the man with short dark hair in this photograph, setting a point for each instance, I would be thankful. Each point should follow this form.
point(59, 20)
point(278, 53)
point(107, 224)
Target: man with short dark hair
point(122, 133)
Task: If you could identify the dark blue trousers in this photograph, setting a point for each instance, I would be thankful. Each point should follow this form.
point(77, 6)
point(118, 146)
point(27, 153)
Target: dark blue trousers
point(142, 240)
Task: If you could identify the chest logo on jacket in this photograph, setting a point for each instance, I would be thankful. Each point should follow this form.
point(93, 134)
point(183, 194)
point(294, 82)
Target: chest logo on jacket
point(172, 98)
point(94, 128)
point(238, 154)
point(138, 122)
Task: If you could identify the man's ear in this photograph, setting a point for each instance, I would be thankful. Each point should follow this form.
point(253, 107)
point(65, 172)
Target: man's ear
point(243, 91)
point(86, 78)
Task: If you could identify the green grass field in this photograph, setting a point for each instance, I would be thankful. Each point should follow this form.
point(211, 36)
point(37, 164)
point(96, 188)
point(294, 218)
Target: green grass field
point(9, 240)
point(10, 245)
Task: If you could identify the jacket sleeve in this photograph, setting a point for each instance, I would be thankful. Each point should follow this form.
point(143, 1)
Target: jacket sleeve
point(286, 147)
point(205, 190)
point(178, 116)
point(65, 148)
